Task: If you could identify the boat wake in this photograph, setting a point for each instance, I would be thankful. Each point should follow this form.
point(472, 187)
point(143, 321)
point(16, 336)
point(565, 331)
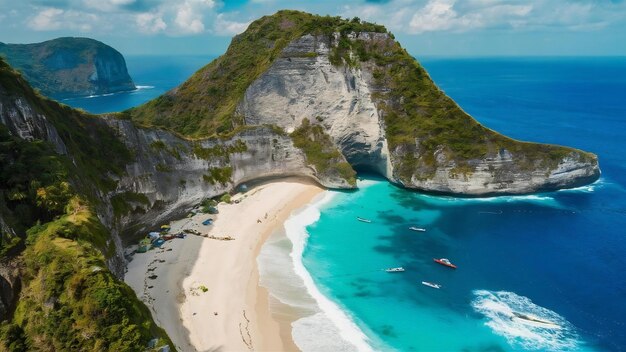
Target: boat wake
point(523, 323)
point(144, 87)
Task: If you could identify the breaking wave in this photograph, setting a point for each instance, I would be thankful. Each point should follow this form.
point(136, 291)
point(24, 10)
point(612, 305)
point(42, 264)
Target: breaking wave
point(500, 309)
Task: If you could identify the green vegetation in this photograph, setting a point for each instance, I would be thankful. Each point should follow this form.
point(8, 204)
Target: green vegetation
point(161, 167)
point(225, 198)
point(321, 152)
point(221, 151)
point(205, 104)
point(421, 120)
point(207, 204)
point(219, 175)
point(32, 186)
point(83, 135)
point(69, 300)
point(160, 146)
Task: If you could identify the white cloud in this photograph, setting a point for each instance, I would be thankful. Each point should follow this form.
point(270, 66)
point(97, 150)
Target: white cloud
point(150, 23)
point(225, 27)
point(46, 20)
point(422, 16)
point(50, 19)
point(440, 15)
point(436, 15)
point(189, 18)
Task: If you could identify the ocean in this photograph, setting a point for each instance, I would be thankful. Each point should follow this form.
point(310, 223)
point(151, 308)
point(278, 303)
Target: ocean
point(559, 256)
point(153, 76)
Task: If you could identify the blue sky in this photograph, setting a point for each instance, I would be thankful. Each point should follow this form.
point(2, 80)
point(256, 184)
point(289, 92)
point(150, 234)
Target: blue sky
point(425, 27)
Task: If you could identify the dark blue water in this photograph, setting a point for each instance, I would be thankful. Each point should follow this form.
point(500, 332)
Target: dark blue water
point(153, 75)
point(560, 256)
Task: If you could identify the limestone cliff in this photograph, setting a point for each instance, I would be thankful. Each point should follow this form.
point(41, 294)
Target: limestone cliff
point(68, 67)
point(376, 104)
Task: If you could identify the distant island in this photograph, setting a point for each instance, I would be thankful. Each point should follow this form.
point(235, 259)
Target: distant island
point(70, 67)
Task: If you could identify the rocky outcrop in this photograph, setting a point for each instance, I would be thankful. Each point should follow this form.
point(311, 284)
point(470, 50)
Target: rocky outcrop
point(68, 67)
point(503, 175)
point(175, 174)
point(25, 122)
point(302, 83)
point(10, 285)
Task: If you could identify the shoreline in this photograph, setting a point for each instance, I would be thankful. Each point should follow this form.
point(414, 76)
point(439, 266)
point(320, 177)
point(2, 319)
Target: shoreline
point(213, 286)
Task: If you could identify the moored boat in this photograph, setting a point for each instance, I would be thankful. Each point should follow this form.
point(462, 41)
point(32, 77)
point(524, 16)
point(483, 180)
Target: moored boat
point(363, 219)
point(430, 284)
point(395, 270)
point(445, 262)
point(418, 229)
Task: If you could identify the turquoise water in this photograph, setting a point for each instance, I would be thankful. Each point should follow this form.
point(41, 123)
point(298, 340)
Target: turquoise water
point(559, 256)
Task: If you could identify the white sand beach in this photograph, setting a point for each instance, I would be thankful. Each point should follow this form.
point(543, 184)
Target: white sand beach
point(205, 292)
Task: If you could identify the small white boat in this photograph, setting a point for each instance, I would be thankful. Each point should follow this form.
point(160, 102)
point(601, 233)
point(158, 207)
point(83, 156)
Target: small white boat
point(530, 319)
point(418, 229)
point(430, 284)
point(363, 219)
point(395, 270)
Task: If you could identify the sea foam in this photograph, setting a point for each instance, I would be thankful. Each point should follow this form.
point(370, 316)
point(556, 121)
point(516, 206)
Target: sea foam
point(498, 308)
point(309, 331)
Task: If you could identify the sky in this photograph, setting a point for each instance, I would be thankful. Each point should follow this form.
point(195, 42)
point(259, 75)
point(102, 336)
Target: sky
point(449, 28)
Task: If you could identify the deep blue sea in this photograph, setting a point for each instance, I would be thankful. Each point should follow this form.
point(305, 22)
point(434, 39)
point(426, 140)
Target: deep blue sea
point(560, 256)
point(153, 76)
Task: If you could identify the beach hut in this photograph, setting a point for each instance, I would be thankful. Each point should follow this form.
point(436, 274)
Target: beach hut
point(154, 235)
point(144, 246)
point(158, 243)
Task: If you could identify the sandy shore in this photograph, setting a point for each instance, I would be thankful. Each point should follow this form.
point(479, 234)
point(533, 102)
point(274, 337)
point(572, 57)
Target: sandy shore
point(206, 292)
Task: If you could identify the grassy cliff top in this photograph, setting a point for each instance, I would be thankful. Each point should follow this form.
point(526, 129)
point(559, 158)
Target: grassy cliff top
point(205, 104)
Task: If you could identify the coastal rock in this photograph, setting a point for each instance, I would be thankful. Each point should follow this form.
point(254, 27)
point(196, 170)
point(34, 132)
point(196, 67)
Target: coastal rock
point(68, 67)
point(302, 83)
point(174, 173)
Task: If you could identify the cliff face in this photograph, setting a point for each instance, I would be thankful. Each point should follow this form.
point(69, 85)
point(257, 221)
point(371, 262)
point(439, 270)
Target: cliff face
point(176, 174)
point(372, 100)
point(302, 83)
point(67, 67)
point(351, 104)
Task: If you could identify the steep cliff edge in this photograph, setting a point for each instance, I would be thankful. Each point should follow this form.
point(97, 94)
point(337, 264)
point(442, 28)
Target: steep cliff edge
point(67, 67)
point(57, 167)
point(376, 103)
